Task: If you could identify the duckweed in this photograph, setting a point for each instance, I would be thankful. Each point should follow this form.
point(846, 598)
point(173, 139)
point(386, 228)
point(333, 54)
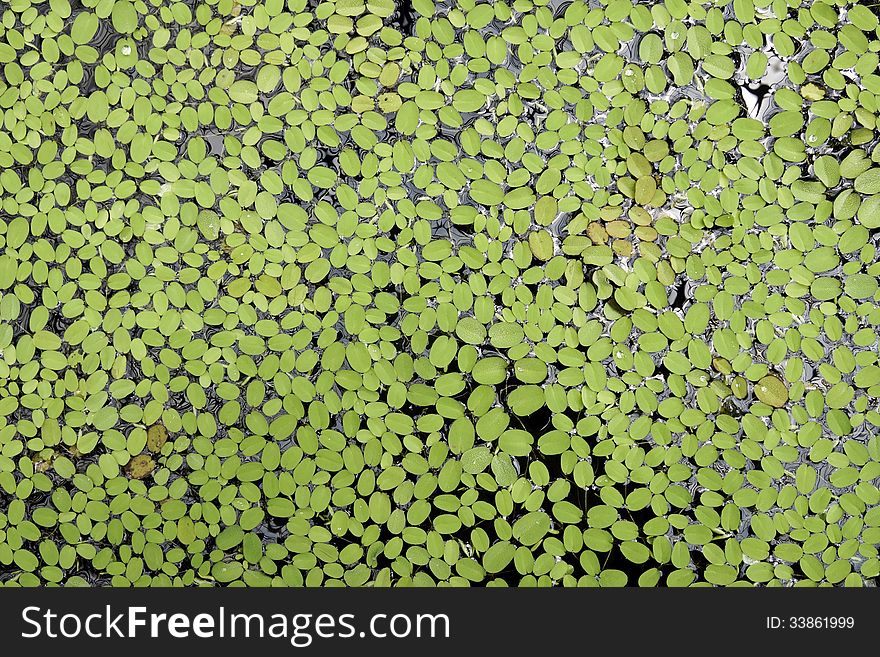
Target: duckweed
point(439, 293)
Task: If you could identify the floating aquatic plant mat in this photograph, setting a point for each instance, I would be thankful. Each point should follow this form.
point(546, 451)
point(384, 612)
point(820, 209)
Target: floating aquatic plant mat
point(442, 293)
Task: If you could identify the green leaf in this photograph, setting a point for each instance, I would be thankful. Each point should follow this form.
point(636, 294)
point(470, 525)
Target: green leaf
point(498, 557)
point(124, 17)
point(531, 528)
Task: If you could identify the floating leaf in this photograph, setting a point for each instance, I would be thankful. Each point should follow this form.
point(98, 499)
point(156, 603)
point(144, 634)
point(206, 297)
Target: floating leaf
point(772, 391)
point(140, 466)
